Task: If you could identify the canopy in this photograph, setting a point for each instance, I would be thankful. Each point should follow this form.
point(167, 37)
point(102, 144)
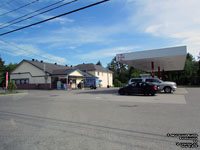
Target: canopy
point(167, 59)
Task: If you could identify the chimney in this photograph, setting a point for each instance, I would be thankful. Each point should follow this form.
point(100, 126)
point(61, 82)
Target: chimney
point(71, 66)
point(41, 61)
point(33, 59)
point(66, 65)
point(55, 63)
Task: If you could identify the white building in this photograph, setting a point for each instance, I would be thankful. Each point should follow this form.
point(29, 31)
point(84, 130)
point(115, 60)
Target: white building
point(105, 75)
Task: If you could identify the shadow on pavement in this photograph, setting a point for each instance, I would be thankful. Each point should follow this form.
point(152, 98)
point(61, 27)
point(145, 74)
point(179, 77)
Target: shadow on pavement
point(100, 91)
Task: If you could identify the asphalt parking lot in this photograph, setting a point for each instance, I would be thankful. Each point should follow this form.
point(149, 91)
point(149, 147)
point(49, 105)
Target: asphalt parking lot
point(97, 120)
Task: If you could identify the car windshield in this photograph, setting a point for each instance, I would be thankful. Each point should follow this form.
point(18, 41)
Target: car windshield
point(158, 80)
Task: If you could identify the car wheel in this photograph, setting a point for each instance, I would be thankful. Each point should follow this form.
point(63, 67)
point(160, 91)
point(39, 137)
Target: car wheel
point(168, 89)
point(152, 94)
point(145, 94)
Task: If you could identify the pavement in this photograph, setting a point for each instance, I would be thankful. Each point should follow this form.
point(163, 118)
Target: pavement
point(97, 120)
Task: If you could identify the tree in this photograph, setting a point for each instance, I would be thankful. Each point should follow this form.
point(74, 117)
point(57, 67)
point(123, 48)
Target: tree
point(11, 86)
point(99, 63)
point(2, 71)
point(188, 76)
point(122, 73)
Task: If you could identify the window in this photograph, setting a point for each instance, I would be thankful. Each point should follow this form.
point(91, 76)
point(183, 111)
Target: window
point(27, 81)
point(21, 81)
point(136, 80)
point(149, 80)
point(98, 73)
point(17, 82)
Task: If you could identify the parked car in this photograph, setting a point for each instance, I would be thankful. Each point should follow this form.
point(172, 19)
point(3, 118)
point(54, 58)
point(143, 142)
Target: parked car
point(139, 88)
point(165, 86)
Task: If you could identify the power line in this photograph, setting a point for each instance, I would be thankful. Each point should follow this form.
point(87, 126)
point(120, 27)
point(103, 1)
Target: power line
point(32, 12)
point(70, 12)
point(19, 8)
point(39, 14)
point(15, 46)
point(5, 51)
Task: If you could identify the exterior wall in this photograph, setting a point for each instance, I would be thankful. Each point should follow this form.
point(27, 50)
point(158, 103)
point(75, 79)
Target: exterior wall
point(107, 78)
point(76, 73)
point(35, 76)
point(78, 80)
point(32, 79)
point(93, 73)
point(26, 67)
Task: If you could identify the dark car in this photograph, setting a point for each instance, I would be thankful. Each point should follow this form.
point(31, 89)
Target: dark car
point(138, 88)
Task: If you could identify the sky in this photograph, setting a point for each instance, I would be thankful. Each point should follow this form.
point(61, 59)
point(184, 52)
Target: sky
point(99, 32)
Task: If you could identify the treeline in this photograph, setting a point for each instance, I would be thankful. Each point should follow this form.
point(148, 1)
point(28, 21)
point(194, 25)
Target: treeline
point(3, 69)
point(189, 76)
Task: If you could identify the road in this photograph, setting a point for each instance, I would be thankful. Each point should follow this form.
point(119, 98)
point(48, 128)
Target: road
point(96, 120)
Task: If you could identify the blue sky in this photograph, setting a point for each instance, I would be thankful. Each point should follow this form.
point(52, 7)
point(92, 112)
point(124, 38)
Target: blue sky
point(101, 32)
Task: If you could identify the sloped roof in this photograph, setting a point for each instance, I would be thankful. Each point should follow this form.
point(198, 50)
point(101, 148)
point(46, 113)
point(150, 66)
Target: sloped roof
point(92, 67)
point(50, 68)
point(63, 71)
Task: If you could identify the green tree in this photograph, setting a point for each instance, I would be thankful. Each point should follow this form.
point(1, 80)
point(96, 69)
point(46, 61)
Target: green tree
point(99, 63)
point(12, 86)
point(122, 73)
point(188, 76)
point(2, 72)
point(3, 69)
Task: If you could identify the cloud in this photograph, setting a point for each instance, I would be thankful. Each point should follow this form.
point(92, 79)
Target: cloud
point(30, 51)
point(61, 20)
point(176, 19)
point(104, 53)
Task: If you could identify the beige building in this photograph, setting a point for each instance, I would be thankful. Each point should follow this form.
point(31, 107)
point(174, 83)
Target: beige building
point(40, 75)
point(104, 75)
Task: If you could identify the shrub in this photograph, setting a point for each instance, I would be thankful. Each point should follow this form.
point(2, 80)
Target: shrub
point(11, 86)
point(118, 83)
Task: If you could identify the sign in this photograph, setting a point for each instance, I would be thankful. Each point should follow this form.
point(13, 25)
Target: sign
point(120, 57)
point(6, 80)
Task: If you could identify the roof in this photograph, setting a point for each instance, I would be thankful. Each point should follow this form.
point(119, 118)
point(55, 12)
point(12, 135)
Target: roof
point(92, 67)
point(167, 59)
point(63, 71)
point(50, 68)
point(89, 75)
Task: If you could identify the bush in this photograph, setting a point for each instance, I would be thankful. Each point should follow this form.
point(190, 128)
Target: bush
point(11, 86)
point(118, 83)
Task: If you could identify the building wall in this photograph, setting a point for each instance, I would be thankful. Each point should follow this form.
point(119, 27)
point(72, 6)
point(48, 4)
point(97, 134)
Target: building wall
point(76, 73)
point(107, 78)
point(27, 71)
